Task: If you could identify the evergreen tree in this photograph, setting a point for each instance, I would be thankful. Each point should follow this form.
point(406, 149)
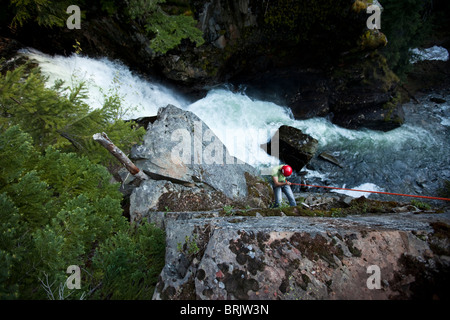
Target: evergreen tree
point(130, 263)
point(10, 252)
point(59, 209)
point(59, 116)
point(43, 12)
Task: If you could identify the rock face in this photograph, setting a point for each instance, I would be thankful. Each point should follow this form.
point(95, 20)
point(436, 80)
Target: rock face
point(400, 256)
point(180, 147)
point(318, 58)
point(365, 95)
point(339, 75)
point(163, 195)
point(190, 168)
point(361, 92)
point(295, 148)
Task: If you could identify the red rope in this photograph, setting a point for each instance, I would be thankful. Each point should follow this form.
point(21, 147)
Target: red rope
point(395, 194)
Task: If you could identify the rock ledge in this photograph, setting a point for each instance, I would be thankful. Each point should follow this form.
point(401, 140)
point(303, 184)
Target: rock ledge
point(212, 257)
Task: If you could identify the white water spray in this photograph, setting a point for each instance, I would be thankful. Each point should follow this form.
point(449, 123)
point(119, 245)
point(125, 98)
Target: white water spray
point(103, 77)
point(371, 158)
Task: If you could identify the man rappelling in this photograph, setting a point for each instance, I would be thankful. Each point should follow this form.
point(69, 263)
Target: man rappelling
point(280, 184)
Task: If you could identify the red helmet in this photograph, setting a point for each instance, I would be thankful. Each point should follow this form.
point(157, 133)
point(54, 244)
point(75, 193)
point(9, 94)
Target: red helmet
point(286, 170)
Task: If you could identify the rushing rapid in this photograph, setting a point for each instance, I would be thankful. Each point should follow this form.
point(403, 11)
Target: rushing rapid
point(414, 158)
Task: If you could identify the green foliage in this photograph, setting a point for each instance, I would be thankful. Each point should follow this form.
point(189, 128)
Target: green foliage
point(420, 205)
point(169, 30)
point(130, 263)
point(190, 246)
point(43, 12)
point(10, 232)
point(60, 117)
point(59, 209)
point(58, 219)
point(19, 179)
point(72, 176)
point(228, 210)
point(406, 25)
point(41, 112)
point(13, 144)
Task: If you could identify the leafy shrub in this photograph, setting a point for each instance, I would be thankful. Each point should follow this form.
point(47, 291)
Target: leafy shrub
point(42, 12)
point(168, 30)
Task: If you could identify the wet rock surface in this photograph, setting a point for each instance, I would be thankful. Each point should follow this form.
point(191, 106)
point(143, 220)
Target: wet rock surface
point(413, 159)
point(293, 146)
point(360, 93)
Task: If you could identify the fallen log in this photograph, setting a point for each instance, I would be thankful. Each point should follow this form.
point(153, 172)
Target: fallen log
point(104, 140)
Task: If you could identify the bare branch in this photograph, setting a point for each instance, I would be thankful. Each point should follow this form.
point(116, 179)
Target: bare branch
point(47, 287)
point(15, 100)
point(103, 139)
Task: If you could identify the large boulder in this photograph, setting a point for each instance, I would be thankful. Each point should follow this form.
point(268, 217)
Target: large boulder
point(190, 169)
point(180, 147)
point(396, 256)
point(294, 147)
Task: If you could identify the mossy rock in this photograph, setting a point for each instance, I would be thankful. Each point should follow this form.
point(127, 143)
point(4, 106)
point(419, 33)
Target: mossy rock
point(372, 39)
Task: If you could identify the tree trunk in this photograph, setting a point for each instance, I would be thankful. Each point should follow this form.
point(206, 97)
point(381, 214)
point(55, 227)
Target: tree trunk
point(103, 139)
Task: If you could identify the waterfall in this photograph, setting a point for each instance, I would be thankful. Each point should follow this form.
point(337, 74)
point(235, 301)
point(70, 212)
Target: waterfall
point(102, 77)
point(414, 158)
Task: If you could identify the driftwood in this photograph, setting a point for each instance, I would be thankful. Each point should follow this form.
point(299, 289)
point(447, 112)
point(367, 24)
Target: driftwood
point(103, 139)
point(328, 157)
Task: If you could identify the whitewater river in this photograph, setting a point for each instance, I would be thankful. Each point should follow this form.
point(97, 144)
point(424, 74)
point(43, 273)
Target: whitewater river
point(414, 158)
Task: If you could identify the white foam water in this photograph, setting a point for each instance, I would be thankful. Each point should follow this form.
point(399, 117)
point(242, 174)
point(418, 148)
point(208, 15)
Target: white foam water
point(241, 123)
point(432, 53)
point(357, 194)
point(103, 77)
point(372, 158)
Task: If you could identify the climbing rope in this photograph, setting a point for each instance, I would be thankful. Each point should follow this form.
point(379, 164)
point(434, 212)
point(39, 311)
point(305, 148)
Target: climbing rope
point(381, 192)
